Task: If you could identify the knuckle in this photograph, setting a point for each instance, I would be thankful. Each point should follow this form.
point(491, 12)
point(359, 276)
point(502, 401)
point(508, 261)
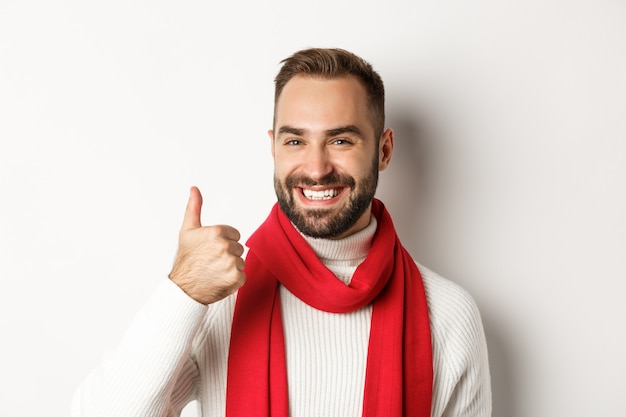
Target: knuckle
point(221, 245)
point(212, 232)
point(239, 249)
point(237, 279)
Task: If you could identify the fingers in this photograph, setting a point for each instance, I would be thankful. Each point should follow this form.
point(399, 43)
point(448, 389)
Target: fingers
point(241, 265)
point(229, 232)
point(237, 249)
point(193, 210)
point(209, 264)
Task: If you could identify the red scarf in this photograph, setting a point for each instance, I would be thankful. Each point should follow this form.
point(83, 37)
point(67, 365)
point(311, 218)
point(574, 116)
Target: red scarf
point(399, 372)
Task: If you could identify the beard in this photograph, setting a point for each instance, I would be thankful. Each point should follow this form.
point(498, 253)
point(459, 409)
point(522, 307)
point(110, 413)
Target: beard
point(325, 223)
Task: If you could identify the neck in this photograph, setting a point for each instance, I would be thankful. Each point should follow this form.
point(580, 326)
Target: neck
point(342, 256)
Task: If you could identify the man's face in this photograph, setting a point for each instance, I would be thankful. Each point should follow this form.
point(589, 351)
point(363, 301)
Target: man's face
point(326, 157)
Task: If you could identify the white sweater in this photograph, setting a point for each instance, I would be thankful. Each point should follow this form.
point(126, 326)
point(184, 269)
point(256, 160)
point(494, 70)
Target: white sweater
point(176, 351)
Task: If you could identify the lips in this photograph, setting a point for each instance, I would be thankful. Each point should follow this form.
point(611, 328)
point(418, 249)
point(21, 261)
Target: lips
point(317, 195)
point(320, 192)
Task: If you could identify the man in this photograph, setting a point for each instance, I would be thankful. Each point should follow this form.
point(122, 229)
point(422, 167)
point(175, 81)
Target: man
point(335, 318)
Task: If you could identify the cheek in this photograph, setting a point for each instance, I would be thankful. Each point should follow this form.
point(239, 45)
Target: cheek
point(285, 164)
point(358, 168)
point(281, 172)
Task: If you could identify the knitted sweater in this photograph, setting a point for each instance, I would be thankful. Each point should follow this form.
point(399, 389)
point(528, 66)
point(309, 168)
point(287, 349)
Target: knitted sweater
point(176, 351)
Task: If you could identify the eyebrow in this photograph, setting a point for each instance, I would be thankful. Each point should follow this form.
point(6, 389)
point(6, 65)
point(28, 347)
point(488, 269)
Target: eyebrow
point(290, 131)
point(344, 129)
point(329, 133)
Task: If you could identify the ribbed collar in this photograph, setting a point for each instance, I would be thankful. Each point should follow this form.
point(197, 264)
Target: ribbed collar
point(354, 247)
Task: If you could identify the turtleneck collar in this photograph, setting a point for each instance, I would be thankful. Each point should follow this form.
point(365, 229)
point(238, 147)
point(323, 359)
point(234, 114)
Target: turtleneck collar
point(352, 248)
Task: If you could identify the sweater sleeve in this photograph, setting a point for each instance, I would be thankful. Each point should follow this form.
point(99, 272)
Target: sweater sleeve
point(461, 385)
point(152, 372)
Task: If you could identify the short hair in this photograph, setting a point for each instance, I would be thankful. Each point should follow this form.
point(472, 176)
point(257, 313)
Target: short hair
point(334, 63)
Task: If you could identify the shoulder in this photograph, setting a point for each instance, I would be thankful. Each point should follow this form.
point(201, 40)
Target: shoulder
point(455, 321)
point(460, 360)
point(447, 300)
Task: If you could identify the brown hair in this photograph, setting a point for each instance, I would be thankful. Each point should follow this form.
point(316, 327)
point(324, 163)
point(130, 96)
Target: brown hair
point(333, 63)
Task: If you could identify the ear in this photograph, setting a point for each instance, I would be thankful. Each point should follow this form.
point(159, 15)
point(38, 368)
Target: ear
point(270, 133)
point(385, 149)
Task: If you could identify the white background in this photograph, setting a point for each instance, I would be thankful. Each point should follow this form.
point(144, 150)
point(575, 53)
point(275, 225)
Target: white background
point(509, 175)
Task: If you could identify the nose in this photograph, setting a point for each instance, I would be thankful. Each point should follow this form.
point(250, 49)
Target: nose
point(318, 163)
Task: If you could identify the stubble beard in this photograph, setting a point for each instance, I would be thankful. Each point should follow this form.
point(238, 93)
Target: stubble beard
point(325, 223)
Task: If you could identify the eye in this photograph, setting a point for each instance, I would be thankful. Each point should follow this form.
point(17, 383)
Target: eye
point(293, 142)
point(341, 141)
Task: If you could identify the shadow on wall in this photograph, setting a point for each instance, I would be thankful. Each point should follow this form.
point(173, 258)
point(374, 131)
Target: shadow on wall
point(407, 189)
point(404, 186)
point(502, 365)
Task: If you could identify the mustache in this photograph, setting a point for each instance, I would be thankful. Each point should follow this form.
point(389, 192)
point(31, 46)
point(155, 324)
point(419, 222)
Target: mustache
point(328, 180)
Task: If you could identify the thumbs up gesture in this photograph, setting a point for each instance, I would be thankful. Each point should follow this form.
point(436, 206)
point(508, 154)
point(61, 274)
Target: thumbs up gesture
point(208, 265)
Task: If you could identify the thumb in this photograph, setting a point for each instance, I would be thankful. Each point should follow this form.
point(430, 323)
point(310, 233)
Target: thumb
point(193, 210)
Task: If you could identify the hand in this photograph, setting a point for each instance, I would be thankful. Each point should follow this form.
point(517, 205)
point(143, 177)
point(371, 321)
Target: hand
point(208, 265)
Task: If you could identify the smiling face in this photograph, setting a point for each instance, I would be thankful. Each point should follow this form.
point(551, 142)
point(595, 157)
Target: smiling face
point(326, 156)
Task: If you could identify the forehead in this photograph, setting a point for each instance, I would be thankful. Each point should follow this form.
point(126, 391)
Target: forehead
point(321, 103)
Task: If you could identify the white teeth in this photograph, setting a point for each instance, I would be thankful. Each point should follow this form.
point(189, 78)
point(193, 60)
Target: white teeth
point(320, 195)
